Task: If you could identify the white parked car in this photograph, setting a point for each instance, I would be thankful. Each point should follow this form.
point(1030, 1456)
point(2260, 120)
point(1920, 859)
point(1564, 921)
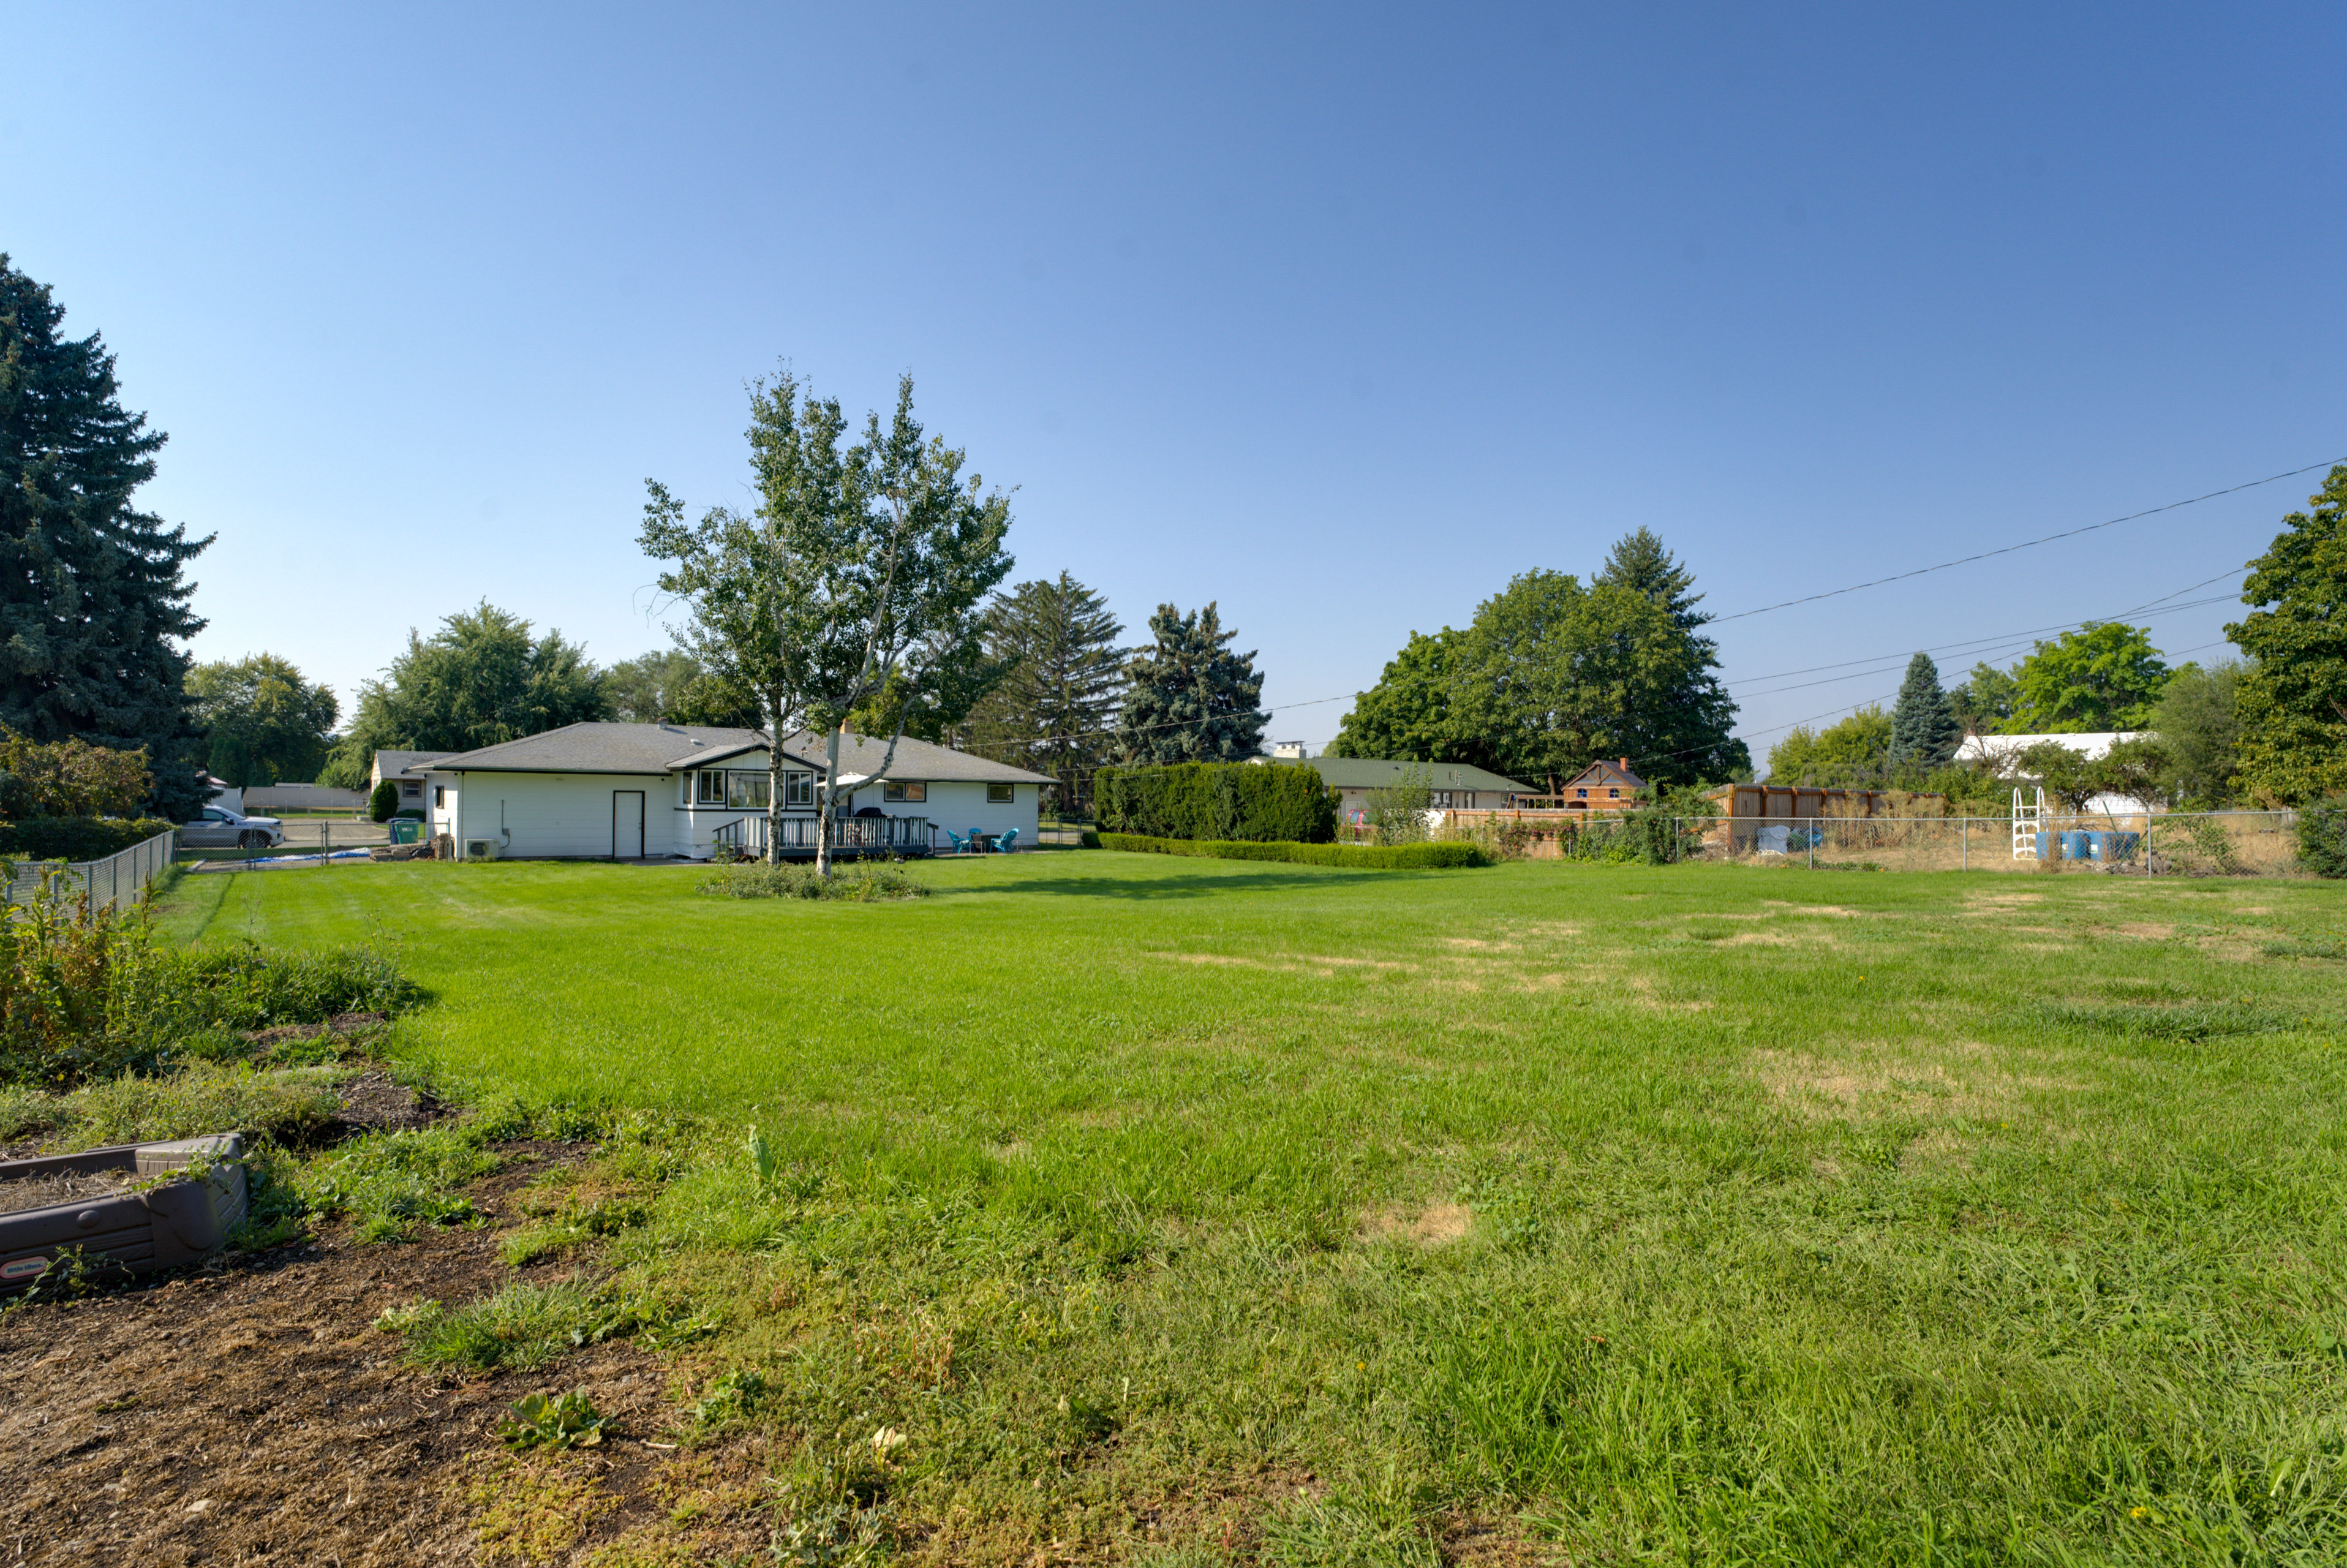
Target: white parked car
point(220, 828)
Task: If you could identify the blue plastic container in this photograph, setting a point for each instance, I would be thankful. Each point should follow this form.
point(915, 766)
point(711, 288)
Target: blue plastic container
point(2075, 845)
point(2113, 847)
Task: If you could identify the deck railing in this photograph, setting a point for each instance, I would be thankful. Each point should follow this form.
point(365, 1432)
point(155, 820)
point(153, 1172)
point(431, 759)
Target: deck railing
point(849, 835)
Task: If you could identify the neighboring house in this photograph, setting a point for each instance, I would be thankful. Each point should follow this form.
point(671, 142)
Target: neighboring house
point(1456, 786)
point(2001, 754)
point(409, 770)
point(1602, 786)
point(630, 792)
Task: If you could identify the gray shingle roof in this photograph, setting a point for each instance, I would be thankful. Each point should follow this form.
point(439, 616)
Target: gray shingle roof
point(390, 764)
point(611, 748)
point(1370, 773)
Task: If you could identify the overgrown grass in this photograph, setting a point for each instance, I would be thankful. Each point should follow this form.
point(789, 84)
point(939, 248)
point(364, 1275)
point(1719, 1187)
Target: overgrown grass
point(1190, 1210)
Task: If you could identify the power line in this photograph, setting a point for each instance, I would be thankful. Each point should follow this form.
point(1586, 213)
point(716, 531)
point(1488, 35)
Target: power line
point(2025, 544)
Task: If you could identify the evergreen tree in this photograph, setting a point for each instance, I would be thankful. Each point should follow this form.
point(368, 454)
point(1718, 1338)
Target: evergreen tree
point(93, 608)
point(1062, 676)
point(1690, 726)
point(1641, 563)
point(1188, 698)
point(263, 723)
point(2293, 700)
point(1923, 728)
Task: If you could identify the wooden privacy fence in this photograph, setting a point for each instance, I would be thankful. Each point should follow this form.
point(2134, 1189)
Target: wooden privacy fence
point(112, 883)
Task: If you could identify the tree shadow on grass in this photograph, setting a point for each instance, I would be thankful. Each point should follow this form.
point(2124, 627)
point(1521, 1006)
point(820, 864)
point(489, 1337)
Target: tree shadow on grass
point(1185, 885)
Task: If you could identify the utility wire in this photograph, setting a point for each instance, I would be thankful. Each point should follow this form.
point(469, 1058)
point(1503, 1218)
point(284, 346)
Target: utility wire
point(2025, 544)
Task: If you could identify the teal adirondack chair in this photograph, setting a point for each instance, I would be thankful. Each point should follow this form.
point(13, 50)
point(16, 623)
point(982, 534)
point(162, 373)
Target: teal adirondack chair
point(961, 841)
point(1006, 840)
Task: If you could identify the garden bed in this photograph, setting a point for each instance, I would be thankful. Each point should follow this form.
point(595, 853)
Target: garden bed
point(107, 1208)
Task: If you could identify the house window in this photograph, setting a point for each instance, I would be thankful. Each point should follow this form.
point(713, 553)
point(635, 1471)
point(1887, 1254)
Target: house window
point(411, 791)
point(1613, 795)
point(746, 788)
point(999, 794)
point(439, 795)
point(1581, 795)
point(1441, 800)
point(905, 794)
point(798, 788)
point(709, 787)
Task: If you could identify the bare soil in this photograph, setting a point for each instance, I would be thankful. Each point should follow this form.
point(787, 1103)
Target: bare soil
point(21, 1193)
point(248, 1412)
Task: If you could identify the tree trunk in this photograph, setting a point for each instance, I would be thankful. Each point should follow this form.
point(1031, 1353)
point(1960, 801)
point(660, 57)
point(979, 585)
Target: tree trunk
point(774, 788)
point(830, 804)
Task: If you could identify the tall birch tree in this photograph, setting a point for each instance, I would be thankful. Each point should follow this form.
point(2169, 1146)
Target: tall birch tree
point(860, 572)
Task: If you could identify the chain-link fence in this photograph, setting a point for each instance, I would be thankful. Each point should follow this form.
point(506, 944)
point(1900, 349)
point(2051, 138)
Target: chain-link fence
point(2156, 843)
point(116, 881)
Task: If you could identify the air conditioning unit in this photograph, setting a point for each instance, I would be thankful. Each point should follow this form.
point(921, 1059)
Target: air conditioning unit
point(480, 849)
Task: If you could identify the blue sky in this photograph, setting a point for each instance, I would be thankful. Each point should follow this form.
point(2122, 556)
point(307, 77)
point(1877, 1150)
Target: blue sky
point(1339, 316)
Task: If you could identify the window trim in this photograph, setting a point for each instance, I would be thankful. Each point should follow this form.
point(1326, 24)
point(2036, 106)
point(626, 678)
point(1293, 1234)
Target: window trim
point(904, 791)
point(1010, 795)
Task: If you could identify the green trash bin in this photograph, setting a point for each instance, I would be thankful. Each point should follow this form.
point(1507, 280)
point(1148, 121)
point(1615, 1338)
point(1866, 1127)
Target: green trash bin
point(406, 830)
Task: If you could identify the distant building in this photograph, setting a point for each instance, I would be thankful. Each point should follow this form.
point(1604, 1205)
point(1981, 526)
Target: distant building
point(1455, 786)
point(1602, 786)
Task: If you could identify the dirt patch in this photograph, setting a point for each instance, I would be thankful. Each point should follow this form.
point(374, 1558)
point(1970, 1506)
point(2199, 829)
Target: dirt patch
point(374, 1102)
point(1940, 1147)
point(248, 1412)
point(1436, 1224)
point(62, 1188)
point(1864, 1082)
point(341, 1023)
point(1830, 911)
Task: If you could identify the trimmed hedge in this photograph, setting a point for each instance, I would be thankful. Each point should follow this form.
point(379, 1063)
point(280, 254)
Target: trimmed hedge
point(1225, 802)
point(1370, 857)
point(75, 838)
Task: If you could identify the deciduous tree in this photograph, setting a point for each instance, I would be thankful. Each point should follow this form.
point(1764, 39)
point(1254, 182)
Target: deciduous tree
point(861, 573)
point(1406, 716)
point(481, 679)
point(2199, 723)
point(2101, 677)
point(263, 721)
point(1853, 754)
point(93, 602)
point(2293, 701)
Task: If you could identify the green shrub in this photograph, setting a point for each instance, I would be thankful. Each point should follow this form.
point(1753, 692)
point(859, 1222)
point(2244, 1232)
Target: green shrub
point(88, 995)
point(1223, 802)
point(75, 837)
point(2323, 837)
point(865, 882)
point(384, 802)
point(1370, 858)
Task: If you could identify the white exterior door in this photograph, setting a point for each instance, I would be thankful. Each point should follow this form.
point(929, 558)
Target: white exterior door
point(627, 824)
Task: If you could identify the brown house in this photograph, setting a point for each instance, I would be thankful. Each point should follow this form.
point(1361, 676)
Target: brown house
point(1602, 786)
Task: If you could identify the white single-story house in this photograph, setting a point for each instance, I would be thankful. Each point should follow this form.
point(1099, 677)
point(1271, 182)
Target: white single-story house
point(1454, 787)
point(648, 792)
point(408, 769)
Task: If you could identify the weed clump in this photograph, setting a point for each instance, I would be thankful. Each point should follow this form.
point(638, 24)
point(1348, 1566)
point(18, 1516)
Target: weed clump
point(867, 882)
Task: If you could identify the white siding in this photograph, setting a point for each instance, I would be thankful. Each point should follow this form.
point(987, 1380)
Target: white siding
point(562, 814)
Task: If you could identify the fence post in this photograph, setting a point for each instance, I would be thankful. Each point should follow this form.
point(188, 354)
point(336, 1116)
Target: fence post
point(1813, 843)
point(1963, 844)
point(326, 841)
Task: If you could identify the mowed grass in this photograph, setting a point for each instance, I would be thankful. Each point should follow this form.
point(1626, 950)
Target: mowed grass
point(1196, 1211)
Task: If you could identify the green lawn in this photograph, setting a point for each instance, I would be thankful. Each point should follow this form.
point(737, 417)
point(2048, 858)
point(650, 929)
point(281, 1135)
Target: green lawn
point(1693, 1213)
